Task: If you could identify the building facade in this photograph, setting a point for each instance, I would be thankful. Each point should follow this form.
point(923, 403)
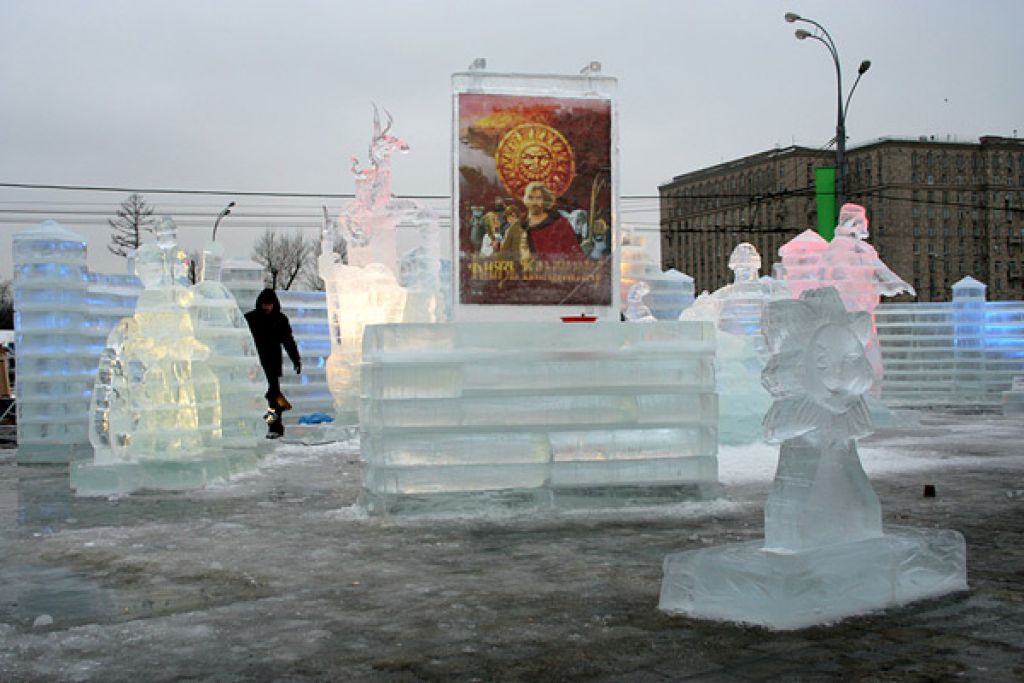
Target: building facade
point(939, 211)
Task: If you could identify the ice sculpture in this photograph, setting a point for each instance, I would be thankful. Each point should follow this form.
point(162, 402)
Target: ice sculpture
point(636, 309)
point(177, 383)
point(736, 309)
point(825, 555)
point(670, 291)
point(477, 414)
point(853, 267)
point(393, 272)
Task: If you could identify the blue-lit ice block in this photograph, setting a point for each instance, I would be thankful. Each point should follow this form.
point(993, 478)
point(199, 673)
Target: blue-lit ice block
point(308, 392)
point(574, 413)
point(63, 314)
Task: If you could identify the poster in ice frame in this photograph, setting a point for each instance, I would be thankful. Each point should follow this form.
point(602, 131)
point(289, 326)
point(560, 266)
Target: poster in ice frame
point(534, 196)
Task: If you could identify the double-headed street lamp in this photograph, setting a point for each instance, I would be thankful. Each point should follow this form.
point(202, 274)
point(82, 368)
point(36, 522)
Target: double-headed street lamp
point(822, 36)
point(224, 212)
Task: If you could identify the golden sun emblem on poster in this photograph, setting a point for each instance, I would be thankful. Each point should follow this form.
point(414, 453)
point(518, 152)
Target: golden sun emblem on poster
point(535, 152)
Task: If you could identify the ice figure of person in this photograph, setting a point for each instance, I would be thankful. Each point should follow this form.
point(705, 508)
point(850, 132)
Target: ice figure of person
point(817, 375)
point(155, 396)
point(737, 309)
point(853, 267)
point(389, 277)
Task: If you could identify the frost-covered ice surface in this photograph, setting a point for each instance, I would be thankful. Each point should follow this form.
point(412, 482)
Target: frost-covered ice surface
point(277, 577)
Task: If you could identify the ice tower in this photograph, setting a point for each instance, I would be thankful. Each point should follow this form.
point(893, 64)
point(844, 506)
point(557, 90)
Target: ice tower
point(55, 364)
point(825, 554)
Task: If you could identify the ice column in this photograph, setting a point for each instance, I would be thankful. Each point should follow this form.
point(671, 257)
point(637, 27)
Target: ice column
point(825, 555)
point(969, 340)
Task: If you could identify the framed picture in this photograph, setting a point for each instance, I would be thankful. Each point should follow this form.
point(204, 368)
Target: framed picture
point(534, 204)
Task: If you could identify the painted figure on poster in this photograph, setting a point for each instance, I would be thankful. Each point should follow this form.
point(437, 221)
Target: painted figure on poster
point(548, 231)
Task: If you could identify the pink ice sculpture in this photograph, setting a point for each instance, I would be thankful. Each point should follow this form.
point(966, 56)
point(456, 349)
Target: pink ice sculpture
point(849, 264)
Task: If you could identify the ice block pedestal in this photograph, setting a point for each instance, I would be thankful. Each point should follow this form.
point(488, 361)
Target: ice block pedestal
point(825, 555)
point(745, 582)
point(537, 413)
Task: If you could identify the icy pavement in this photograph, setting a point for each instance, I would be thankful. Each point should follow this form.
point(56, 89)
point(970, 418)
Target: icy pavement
point(277, 577)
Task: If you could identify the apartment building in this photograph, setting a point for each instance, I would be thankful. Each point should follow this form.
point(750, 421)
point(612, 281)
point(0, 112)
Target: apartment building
point(939, 210)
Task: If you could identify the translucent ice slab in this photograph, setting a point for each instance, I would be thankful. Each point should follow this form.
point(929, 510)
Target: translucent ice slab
point(450, 409)
point(783, 591)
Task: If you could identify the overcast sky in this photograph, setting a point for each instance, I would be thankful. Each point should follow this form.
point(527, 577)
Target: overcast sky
point(275, 96)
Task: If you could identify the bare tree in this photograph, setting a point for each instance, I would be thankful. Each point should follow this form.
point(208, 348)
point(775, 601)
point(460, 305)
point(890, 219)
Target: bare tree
point(283, 257)
point(311, 274)
point(134, 217)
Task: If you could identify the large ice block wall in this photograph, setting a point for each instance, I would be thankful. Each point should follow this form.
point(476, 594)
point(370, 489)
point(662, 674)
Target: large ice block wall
point(63, 314)
point(965, 351)
point(544, 409)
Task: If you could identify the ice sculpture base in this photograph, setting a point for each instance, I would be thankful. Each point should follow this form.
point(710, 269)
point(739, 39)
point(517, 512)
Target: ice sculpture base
point(53, 453)
point(532, 499)
point(744, 583)
point(90, 479)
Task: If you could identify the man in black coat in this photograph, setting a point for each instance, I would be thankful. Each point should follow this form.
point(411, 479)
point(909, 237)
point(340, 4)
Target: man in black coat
point(271, 330)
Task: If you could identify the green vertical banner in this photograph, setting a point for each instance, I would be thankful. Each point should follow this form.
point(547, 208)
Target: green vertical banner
point(825, 194)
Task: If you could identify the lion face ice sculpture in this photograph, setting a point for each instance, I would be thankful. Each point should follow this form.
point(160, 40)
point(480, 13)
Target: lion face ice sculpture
point(817, 376)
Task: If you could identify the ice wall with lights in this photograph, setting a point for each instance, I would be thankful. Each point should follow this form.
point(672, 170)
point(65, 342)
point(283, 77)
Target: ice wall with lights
point(966, 351)
point(63, 314)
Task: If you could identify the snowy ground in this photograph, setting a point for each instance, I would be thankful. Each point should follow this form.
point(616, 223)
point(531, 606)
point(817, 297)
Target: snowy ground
point(276, 576)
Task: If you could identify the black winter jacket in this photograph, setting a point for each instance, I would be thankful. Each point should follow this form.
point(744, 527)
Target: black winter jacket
point(270, 331)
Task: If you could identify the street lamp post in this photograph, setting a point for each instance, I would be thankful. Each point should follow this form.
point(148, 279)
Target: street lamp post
point(224, 212)
point(842, 107)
